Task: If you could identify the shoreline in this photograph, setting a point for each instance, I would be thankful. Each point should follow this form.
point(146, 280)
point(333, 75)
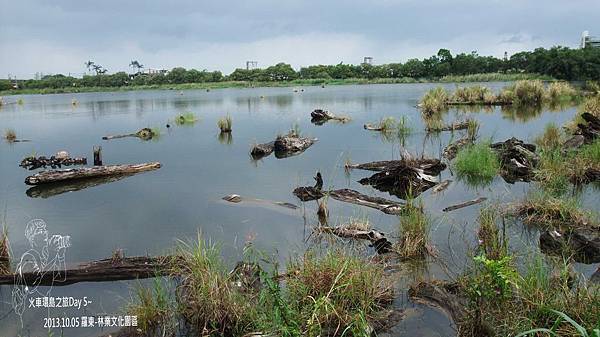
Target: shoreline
point(491, 77)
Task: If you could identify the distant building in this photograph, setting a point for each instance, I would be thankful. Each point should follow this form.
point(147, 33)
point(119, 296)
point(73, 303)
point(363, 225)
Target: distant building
point(151, 71)
point(368, 60)
point(589, 41)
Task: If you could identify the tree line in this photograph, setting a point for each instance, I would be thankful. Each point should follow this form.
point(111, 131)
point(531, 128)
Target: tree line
point(558, 62)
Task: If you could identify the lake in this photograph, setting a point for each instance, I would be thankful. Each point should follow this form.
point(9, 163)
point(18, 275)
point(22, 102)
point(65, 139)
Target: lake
point(147, 214)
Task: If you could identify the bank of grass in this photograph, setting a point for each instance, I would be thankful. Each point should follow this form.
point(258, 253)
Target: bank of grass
point(506, 301)
point(491, 77)
point(477, 163)
point(320, 293)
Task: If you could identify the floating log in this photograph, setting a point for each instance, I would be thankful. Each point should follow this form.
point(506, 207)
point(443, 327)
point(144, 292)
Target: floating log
point(441, 186)
point(45, 177)
point(582, 246)
point(33, 162)
point(357, 198)
point(320, 116)
point(405, 177)
point(517, 159)
point(428, 165)
point(259, 151)
point(52, 189)
point(464, 204)
point(449, 127)
point(145, 134)
point(113, 269)
point(452, 149)
point(307, 193)
point(378, 240)
point(291, 144)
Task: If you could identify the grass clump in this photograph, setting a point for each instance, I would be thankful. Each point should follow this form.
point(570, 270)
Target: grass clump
point(225, 123)
point(551, 139)
point(491, 241)
point(434, 101)
point(557, 91)
point(525, 92)
point(414, 233)
point(477, 162)
point(10, 135)
point(473, 94)
point(186, 118)
point(336, 293)
point(4, 252)
point(154, 308)
point(550, 212)
point(591, 105)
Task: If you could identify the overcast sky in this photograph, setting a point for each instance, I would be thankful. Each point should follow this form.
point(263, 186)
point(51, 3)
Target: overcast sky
point(58, 36)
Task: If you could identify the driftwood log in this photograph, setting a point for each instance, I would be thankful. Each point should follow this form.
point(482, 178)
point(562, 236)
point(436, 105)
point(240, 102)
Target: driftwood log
point(113, 269)
point(33, 162)
point(357, 198)
point(259, 151)
point(428, 165)
point(582, 246)
point(378, 240)
point(307, 193)
point(464, 204)
point(441, 186)
point(45, 177)
point(236, 198)
point(291, 145)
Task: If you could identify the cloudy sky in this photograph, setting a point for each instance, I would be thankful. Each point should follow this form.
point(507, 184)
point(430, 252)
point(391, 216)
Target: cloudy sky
point(58, 36)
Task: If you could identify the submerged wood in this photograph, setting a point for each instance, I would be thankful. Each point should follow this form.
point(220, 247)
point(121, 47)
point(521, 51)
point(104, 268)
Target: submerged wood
point(307, 193)
point(57, 188)
point(291, 144)
point(441, 186)
point(320, 116)
point(584, 247)
point(145, 134)
point(404, 178)
point(236, 198)
point(452, 149)
point(113, 269)
point(449, 127)
point(33, 162)
point(378, 240)
point(357, 198)
point(517, 159)
point(464, 204)
point(45, 177)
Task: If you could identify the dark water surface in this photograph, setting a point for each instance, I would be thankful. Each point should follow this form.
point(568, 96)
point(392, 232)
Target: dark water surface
point(149, 212)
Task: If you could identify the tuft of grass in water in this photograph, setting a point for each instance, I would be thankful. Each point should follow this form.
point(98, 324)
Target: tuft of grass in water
point(491, 241)
point(433, 123)
point(473, 94)
point(154, 308)
point(387, 124)
point(434, 101)
point(558, 91)
point(546, 211)
point(525, 92)
point(74, 102)
point(186, 118)
point(552, 172)
point(336, 292)
point(472, 128)
point(20, 101)
point(414, 232)
point(225, 123)
point(477, 163)
point(4, 252)
point(404, 129)
point(10, 135)
point(551, 139)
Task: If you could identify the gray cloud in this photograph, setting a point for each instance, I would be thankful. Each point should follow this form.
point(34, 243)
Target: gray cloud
point(59, 36)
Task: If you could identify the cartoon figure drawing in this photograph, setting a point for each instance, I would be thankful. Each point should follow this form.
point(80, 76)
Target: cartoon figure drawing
point(46, 255)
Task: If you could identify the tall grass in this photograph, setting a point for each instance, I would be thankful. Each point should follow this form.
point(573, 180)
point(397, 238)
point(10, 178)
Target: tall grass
point(225, 123)
point(551, 139)
point(414, 232)
point(491, 240)
point(560, 91)
point(4, 251)
point(526, 92)
point(473, 94)
point(10, 135)
point(477, 163)
point(434, 101)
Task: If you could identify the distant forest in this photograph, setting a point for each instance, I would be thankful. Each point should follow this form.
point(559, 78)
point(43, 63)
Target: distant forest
point(557, 62)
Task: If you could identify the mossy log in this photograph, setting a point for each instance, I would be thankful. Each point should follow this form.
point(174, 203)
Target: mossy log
point(583, 246)
point(449, 127)
point(357, 198)
point(113, 269)
point(46, 177)
point(33, 162)
point(452, 149)
point(145, 134)
point(378, 240)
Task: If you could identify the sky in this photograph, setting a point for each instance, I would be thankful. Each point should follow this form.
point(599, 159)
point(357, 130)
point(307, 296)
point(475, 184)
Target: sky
point(59, 36)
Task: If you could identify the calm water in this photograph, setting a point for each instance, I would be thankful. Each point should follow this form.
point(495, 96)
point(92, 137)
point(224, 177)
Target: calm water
point(149, 212)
